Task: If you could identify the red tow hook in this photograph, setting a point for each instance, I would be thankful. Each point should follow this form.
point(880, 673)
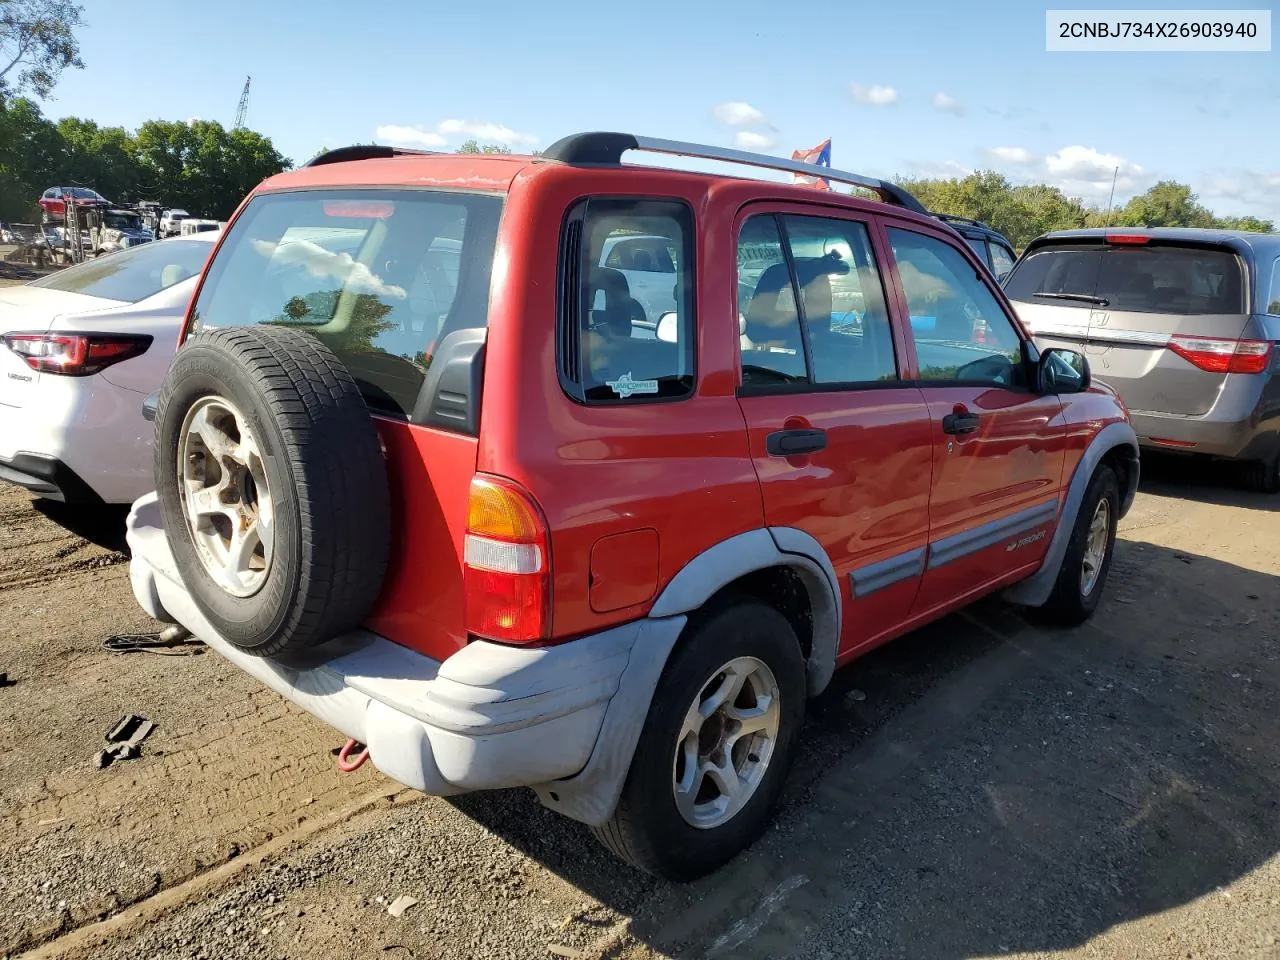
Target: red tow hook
point(349, 764)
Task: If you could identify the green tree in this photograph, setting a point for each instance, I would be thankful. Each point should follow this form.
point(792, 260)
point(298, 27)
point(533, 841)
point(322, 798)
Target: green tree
point(471, 146)
point(37, 43)
point(1251, 224)
point(203, 167)
point(31, 149)
point(1167, 204)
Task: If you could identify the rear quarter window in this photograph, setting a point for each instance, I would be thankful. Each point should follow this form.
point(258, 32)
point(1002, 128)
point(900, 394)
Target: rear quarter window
point(1273, 298)
point(626, 334)
point(379, 276)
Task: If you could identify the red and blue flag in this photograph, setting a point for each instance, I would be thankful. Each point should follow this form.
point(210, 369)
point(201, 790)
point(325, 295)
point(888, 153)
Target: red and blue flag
point(820, 156)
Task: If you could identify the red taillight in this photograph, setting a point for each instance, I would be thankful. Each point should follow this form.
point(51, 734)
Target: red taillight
point(75, 354)
point(506, 564)
point(1223, 356)
point(1135, 239)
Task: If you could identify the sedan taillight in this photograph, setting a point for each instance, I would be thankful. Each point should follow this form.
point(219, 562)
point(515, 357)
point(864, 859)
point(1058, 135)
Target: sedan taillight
point(75, 354)
point(1223, 356)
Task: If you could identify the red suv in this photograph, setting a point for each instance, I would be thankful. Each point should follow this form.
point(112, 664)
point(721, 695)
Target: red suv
point(584, 476)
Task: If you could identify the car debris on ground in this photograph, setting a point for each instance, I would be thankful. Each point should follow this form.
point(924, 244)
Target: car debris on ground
point(126, 740)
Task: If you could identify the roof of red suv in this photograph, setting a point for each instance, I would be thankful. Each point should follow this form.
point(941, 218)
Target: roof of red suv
point(374, 165)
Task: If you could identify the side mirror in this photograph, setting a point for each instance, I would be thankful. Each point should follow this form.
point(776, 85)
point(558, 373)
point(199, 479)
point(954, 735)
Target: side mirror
point(1062, 371)
point(667, 329)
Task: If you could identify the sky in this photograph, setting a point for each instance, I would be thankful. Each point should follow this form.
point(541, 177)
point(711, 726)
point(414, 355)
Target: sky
point(904, 88)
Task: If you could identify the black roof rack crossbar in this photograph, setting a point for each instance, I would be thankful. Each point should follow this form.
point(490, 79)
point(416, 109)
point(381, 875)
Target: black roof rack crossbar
point(364, 151)
point(955, 218)
point(606, 149)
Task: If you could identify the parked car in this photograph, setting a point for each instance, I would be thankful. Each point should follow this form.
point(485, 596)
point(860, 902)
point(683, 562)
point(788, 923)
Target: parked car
point(79, 349)
point(1182, 322)
point(53, 202)
point(992, 247)
point(528, 546)
point(171, 221)
point(119, 229)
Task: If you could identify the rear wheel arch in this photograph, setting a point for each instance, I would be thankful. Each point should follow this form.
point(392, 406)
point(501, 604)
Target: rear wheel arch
point(781, 566)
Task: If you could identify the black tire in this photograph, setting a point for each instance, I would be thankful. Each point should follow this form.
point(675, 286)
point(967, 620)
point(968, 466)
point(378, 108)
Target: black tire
point(324, 468)
point(1070, 605)
point(647, 830)
point(1263, 476)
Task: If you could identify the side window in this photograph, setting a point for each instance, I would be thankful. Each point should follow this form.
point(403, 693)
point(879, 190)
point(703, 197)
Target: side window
point(1001, 260)
point(768, 320)
point(979, 246)
point(841, 300)
point(961, 331)
point(626, 334)
point(1273, 299)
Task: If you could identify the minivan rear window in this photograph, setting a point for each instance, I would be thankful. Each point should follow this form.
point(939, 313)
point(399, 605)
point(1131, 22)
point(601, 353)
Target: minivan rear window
point(380, 276)
point(1155, 278)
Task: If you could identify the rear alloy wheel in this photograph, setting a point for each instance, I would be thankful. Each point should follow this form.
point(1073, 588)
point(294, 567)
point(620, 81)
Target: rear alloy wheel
point(728, 738)
point(716, 745)
point(273, 488)
point(1083, 574)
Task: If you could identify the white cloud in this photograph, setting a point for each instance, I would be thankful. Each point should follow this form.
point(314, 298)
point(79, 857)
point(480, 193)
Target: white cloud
point(738, 113)
point(1019, 155)
point(1088, 165)
point(876, 95)
point(947, 104)
point(1245, 192)
point(409, 136)
point(447, 131)
point(486, 132)
point(750, 140)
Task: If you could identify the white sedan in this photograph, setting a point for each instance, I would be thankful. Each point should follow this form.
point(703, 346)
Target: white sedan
point(79, 351)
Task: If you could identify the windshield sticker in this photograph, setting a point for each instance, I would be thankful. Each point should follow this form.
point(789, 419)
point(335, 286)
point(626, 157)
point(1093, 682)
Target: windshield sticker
point(625, 387)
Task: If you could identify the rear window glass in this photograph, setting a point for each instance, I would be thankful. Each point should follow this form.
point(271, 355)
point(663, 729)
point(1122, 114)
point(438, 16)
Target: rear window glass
point(627, 331)
point(133, 274)
point(379, 276)
point(1184, 281)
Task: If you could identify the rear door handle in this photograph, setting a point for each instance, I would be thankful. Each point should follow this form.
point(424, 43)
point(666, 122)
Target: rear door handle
point(960, 423)
point(795, 443)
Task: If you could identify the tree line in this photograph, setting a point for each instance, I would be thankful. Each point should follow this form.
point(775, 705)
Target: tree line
point(200, 166)
point(1026, 211)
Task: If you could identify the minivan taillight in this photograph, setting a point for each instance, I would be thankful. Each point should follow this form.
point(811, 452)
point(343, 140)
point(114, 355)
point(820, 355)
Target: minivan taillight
point(1223, 356)
point(75, 354)
point(506, 564)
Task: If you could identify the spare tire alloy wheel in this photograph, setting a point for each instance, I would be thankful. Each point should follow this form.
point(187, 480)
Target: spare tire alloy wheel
point(273, 488)
point(226, 496)
point(726, 743)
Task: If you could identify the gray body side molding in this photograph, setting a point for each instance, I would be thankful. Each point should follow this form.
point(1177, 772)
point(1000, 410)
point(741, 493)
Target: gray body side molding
point(1035, 590)
point(758, 550)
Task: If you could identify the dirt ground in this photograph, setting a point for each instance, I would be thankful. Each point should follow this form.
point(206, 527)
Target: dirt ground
point(984, 787)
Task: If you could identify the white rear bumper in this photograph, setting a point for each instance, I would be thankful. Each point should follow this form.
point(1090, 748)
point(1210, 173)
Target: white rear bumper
point(490, 716)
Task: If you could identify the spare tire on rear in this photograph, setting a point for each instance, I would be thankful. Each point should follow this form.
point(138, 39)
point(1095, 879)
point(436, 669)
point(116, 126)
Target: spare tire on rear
point(273, 487)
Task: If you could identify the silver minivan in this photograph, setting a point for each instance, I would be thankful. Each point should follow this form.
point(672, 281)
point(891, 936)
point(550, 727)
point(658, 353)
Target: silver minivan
point(1184, 323)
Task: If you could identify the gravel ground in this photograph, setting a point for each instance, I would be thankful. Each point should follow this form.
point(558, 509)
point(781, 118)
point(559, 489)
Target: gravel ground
point(984, 787)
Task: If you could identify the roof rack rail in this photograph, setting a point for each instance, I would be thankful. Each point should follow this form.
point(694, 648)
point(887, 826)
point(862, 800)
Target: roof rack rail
point(954, 218)
point(364, 151)
point(606, 149)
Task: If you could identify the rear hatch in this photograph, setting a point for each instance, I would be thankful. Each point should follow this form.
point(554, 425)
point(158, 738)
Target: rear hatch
point(382, 276)
point(1159, 319)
